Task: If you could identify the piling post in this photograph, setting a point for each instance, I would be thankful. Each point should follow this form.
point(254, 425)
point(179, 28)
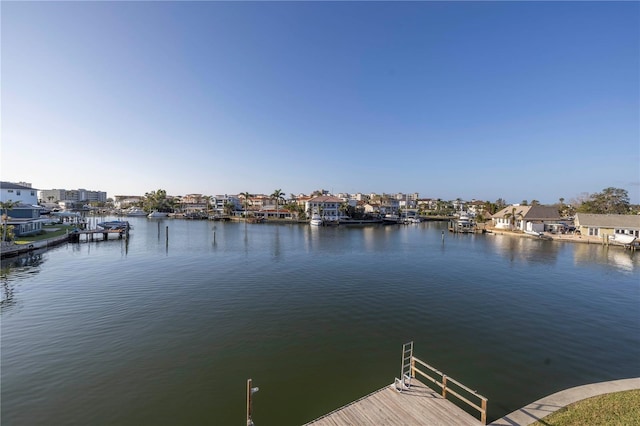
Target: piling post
point(250, 391)
point(167, 235)
point(444, 386)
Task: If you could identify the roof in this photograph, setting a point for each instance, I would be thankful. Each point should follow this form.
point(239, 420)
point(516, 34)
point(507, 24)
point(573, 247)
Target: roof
point(11, 185)
point(627, 221)
point(530, 212)
point(325, 199)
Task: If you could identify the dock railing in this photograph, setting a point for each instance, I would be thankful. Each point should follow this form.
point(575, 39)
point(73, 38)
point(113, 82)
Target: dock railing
point(444, 383)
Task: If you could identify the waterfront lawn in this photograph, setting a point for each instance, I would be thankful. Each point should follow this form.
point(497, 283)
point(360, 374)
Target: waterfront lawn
point(49, 231)
point(618, 408)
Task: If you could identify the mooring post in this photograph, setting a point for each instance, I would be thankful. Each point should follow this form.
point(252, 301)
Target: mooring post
point(250, 391)
point(167, 234)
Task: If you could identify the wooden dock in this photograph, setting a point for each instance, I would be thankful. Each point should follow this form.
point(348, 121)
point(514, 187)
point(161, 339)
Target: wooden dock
point(92, 234)
point(406, 402)
point(410, 402)
point(419, 405)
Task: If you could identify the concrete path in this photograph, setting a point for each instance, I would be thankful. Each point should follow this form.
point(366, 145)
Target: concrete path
point(549, 404)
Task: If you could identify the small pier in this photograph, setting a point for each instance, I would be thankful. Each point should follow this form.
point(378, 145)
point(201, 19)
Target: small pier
point(417, 405)
point(408, 401)
point(94, 234)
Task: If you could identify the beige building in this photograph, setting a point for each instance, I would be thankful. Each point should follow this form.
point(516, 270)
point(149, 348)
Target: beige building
point(599, 225)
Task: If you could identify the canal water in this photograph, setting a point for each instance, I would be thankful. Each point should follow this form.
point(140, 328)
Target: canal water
point(167, 330)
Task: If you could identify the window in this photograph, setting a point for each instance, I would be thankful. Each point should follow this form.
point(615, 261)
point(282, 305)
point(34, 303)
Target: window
point(18, 192)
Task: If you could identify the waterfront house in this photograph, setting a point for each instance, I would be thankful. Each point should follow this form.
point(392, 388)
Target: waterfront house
point(18, 193)
point(527, 218)
point(326, 205)
point(599, 225)
point(25, 215)
point(125, 201)
point(25, 220)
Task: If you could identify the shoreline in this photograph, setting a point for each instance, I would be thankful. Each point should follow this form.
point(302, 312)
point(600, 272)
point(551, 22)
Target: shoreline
point(11, 250)
point(568, 238)
point(538, 410)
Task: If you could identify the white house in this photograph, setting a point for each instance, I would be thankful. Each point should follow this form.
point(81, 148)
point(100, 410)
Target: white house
point(526, 218)
point(326, 206)
point(20, 193)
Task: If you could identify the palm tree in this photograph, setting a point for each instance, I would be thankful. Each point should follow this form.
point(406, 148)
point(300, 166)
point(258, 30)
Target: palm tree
point(344, 208)
point(6, 207)
point(512, 217)
point(246, 202)
point(228, 208)
point(207, 199)
point(277, 195)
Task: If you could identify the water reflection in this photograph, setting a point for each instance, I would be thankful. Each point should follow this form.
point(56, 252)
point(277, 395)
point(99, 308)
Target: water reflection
point(12, 269)
point(526, 249)
point(276, 243)
point(615, 257)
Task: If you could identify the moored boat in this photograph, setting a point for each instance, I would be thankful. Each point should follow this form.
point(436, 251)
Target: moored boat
point(157, 215)
point(114, 224)
point(623, 238)
point(316, 220)
point(391, 219)
point(136, 212)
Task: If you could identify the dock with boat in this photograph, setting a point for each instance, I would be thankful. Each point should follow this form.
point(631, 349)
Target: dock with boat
point(118, 228)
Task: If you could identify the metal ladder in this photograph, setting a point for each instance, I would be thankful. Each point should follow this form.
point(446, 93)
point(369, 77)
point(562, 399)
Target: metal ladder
point(404, 382)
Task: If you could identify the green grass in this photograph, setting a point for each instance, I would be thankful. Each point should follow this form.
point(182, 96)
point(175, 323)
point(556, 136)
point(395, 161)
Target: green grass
point(613, 409)
point(61, 230)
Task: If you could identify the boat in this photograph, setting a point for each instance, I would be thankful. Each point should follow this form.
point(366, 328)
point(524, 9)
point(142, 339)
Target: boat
point(463, 225)
point(316, 220)
point(136, 212)
point(534, 233)
point(114, 224)
point(391, 218)
point(624, 239)
point(157, 215)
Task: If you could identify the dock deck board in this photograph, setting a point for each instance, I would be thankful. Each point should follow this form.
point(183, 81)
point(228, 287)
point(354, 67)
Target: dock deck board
point(419, 405)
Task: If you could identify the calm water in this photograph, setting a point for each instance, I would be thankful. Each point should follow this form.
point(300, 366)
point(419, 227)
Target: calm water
point(153, 333)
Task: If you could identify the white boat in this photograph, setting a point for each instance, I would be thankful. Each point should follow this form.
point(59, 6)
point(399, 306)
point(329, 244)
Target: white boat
point(623, 238)
point(534, 233)
point(157, 215)
point(316, 220)
point(136, 212)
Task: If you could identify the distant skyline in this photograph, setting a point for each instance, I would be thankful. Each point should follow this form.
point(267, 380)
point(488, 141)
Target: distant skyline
point(484, 100)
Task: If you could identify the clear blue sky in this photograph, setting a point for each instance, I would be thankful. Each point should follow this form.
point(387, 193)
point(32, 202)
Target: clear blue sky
point(485, 100)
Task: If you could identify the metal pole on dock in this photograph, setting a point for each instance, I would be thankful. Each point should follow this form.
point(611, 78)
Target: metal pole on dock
point(250, 392)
